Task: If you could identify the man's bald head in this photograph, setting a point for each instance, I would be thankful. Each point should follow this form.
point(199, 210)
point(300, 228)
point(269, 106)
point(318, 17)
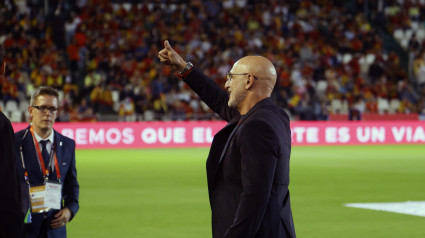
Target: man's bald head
point(254, 80)
point(260, 67)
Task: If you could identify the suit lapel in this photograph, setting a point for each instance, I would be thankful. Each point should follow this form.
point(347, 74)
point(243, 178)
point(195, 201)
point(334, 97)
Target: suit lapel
point(31, 162)
point(239, 123)
point(59, 152)
point(216, 149)
point(223, 152)
point(236, 123)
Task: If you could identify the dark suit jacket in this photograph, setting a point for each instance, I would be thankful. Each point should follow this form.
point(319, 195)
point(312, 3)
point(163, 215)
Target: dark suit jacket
point(11, 217)
point(65, 151)
point(247, 167)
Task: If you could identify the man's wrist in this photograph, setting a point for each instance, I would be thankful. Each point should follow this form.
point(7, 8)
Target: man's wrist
point(181, 67)
point(188, 67)
point(186, 71)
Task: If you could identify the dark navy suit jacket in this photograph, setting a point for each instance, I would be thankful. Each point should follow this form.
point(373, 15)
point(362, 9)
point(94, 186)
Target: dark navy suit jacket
point(247, 167)
point(65, 151)
point(11, 216)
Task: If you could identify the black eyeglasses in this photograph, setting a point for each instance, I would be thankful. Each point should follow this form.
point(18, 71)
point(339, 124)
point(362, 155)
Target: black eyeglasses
point(44, 109)
point(230, 75)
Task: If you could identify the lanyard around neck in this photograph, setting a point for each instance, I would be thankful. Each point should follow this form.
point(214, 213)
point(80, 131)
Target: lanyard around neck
point(45, 171)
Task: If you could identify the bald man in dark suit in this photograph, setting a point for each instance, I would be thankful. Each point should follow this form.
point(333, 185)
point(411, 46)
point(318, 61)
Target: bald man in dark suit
point(248, 163)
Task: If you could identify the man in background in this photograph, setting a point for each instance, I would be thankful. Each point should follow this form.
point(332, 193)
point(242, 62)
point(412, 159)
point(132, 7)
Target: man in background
point(47, 158)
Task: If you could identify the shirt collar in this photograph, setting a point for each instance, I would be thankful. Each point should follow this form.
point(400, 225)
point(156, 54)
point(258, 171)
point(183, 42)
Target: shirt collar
point(49, 138)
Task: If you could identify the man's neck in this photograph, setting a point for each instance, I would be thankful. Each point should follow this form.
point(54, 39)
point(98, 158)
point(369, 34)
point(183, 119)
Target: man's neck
point(43, 133)
point(248, 104)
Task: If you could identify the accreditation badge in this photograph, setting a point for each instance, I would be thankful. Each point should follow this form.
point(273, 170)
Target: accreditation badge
point(37, 194)
point(53, 196)
point(46, 197)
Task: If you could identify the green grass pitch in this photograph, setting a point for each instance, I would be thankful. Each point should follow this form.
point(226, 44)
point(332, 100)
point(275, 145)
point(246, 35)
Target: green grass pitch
point(161, 193)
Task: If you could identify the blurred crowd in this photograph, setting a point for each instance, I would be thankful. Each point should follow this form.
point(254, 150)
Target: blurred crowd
point(102, 55)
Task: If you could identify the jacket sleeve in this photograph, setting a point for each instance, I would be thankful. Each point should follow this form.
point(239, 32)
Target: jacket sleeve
point(259, 151)
point(71, 188)
point(212, 94)
point(11, 218)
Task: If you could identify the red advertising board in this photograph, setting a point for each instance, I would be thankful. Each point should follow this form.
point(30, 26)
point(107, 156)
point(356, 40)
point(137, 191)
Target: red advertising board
point(201, 133)
point(138, 134)
point(358, 133)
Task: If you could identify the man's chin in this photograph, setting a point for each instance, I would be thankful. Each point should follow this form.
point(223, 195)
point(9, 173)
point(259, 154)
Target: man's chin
point(46, 127)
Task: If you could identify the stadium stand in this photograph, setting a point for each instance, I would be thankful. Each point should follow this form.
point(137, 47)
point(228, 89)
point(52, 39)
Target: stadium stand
point(332, 57)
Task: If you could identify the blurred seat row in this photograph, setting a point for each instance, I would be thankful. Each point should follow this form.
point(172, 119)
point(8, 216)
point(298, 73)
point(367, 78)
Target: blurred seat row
point(384, 106)
point(16, 112)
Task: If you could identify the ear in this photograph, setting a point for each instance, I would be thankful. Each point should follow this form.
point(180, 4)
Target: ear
point(249, 82)
point(30, 109)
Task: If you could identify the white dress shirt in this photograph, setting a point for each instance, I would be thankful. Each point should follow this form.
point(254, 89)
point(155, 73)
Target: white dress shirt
point(50, 141)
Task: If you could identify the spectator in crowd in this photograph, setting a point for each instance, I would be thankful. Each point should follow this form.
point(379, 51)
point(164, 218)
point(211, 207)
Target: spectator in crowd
point(127, 110)
point(419, 69)
point(85, 112)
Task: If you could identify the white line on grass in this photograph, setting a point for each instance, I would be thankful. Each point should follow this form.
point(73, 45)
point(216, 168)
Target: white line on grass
point(415, 208)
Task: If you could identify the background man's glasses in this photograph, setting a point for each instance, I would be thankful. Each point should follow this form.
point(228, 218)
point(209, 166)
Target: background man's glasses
point(44, 109)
